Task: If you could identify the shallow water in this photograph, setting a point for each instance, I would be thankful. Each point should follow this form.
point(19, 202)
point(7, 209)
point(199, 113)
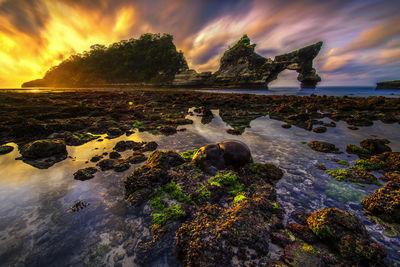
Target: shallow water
point(36, 228)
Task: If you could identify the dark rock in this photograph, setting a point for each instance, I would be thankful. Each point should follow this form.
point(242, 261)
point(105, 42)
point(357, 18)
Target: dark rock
point(122, 146)
point(121, 166)
point(85, 174)
point(320, 129)
point(376, 146)
point(114, 132)
point(233, 131)
point(5, 149)
point(167, 130)
point(106, 164)
point(286, 125)
point(324, 147)
point(149, 146)
point(385, 202)
point(346, 234)
point(217, 156)
point(78, 206)
point(43, 148)
point(354, 128)
point(43, 154)
point(241, 66)
point(114, 155)
point(96, 158)
point(137, 158)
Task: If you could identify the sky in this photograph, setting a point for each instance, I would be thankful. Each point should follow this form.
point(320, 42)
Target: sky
point(361, 37)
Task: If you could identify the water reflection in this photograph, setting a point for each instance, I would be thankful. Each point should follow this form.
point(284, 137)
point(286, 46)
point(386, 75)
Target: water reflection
point(36, 228)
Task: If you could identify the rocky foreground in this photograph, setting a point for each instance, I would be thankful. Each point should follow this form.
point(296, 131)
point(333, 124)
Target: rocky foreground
point(214, 205)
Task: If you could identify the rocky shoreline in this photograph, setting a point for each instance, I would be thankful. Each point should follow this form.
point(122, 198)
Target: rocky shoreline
point(214, 205)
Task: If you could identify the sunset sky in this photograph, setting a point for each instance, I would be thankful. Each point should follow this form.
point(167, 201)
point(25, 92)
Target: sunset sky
point(361, 37)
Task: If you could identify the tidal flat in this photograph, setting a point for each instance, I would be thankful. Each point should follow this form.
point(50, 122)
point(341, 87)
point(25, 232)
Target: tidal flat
point(122, 177)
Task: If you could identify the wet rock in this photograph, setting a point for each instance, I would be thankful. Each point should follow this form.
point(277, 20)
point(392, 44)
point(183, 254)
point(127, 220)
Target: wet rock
point(354, 175)
point(354, 128)
point(106, 164)
point(217, 156)
point(96, 158)
point(226, 237)
point(233, 131)
point(346, 234)
point(78, 206)
point(5, 149)
point(137, 158)
point(320, 129)
point(153, 174)
point(149, 146)
point(114, 155)
point(167, 130)
point(385, 202)
point(376, 146)
point(43, 148)
point(85, 174)
point(286, 126)
point(122, 146)
point(43, 154)
point(324, 147)
point(114, 132)
point(121, 166)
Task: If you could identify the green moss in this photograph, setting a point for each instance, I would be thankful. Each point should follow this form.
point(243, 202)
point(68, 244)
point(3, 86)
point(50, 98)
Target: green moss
point(356, 149)
point(244, 42)
point(172, 213)
point(203, 195)
point(137, 124)
point(338, 174)
point(158, 204)
point(304, 142)
point(239, 198)
point(228, 181)
point(255, 167)
point(275, 205)
point(188, 155)
point(176, 193)
point(343, 162)
point(366, 165)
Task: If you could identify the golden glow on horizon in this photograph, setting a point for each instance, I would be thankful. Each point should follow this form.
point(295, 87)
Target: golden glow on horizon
point(69, 30)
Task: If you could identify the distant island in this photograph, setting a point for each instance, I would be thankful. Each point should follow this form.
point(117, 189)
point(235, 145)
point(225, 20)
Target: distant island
point(153, 60)
point(388, 85)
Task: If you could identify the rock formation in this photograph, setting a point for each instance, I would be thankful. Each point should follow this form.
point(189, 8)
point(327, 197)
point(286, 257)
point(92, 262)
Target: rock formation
point(388, 85)
point(241, 66)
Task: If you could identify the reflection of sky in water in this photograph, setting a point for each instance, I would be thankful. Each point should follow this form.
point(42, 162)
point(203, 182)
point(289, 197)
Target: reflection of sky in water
point(35, 224)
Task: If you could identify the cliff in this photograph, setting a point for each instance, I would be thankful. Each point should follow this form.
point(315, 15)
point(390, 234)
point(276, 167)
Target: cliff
point(152, 60)
point(242, 67)
point(388, 85)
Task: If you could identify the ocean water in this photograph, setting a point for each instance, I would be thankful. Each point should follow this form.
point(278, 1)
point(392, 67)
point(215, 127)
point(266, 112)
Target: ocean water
point(351, 91)
point(36, 228)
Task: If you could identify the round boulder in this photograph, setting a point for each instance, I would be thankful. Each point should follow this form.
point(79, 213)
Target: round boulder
point(43, 148)
point(218, 156)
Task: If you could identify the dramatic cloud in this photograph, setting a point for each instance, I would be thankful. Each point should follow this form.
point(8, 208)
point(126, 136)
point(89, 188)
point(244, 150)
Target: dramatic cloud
point(361, 37)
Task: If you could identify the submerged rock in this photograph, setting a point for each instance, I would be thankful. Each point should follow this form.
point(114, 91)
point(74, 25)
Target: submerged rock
point(324, 147)
point(85, 174)
point(218, 156)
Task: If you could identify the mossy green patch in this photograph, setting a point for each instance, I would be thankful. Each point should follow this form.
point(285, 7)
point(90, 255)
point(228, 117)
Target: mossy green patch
point(188, 155)
point(357, 150)
point(239, 198)
point(172, 213)
point(204, 195)
point(176, 193)
point(137, 124)
point(158, 204)
point(366, 165)
point(228, 181)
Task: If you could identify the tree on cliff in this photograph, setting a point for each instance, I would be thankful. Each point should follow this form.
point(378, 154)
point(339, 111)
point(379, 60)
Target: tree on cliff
point(151, 58)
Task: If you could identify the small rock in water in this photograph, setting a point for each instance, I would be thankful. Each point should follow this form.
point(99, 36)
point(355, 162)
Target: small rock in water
point(85, 174)
point(5, 149)
point(79, 205)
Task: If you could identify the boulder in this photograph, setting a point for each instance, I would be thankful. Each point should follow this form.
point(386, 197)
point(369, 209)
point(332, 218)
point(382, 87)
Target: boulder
point(43, 149)
point(218, 156)
point(85, 174)
point(5, 149)
point(324, 147)
point(376, 146)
